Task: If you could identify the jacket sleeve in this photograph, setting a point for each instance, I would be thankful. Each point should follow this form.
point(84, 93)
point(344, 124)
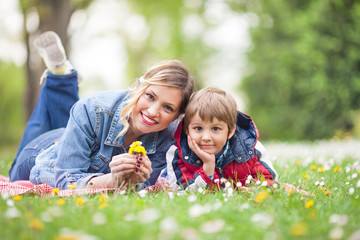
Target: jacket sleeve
point(75, 147)
point(263, 166)
point(182, 175)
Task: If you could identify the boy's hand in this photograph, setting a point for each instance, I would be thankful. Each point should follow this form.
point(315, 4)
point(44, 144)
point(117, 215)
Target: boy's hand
point(207, 158)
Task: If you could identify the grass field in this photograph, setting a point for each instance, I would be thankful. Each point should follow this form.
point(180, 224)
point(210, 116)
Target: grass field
point(332, 212)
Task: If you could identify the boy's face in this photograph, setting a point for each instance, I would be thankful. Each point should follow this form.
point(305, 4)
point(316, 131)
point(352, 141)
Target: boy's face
point(209, 136)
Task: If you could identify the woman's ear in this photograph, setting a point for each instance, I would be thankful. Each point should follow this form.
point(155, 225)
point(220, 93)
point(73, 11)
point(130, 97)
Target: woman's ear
point(231, 133)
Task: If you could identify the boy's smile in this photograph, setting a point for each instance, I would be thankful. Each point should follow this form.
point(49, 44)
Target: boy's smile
point(211, 136)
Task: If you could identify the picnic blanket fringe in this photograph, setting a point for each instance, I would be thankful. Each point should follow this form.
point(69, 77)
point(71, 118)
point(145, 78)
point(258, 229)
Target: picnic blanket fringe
point(26, 187)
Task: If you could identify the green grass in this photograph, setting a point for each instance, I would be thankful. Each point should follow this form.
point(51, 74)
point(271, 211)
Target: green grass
point(219, 215)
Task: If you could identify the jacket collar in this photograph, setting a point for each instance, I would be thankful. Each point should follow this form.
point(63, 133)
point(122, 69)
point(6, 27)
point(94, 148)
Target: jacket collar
point(242, 144)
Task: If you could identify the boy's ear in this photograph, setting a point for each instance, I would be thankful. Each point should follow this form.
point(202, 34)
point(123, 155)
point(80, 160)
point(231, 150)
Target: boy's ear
point(231, 133)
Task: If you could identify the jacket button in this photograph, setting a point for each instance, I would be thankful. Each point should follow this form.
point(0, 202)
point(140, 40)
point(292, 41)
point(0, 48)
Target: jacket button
point(198, 161)
point(186, 157)
point(239, 158)
point(250, 152)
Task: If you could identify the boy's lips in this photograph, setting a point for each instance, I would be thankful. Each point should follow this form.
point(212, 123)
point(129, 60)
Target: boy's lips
point(206, 146)
point(148, 120)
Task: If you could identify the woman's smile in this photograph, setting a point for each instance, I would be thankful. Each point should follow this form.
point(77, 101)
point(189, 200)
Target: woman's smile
point(156, 108)
point(148, 120)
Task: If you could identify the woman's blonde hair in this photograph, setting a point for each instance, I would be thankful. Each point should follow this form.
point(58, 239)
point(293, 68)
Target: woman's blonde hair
point(170, 73)
point(212, 103)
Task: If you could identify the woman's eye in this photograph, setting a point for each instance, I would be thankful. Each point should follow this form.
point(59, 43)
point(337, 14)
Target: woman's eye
point(148, 95)
point(168, 108)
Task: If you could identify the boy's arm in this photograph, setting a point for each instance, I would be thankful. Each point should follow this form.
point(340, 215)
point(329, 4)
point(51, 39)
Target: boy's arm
point(263, 166)
point(207, 158)
point(182, 175)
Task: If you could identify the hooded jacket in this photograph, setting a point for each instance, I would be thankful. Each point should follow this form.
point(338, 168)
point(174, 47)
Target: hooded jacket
point(243, 156)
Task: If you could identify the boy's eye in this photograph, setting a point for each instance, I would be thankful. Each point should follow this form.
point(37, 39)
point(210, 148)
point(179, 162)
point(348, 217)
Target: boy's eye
point(197, 128)
point(216, 129)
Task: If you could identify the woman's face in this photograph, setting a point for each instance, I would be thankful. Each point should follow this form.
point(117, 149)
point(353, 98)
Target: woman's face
point(156, 108)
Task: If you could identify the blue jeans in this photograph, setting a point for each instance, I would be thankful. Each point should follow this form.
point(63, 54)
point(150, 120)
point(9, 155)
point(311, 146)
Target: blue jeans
point(56, 97)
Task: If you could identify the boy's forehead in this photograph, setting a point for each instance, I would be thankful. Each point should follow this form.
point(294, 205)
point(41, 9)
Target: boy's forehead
point(205, 119)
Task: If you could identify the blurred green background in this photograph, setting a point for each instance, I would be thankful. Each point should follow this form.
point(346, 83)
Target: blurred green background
point(294, 66)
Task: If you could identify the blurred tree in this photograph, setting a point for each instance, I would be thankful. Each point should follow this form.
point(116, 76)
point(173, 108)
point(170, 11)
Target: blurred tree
point(167, 37)
point(306, 67)
point(10, 92)
point(53, 15)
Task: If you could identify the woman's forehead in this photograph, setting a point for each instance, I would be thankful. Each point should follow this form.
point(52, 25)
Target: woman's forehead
point(167, 94)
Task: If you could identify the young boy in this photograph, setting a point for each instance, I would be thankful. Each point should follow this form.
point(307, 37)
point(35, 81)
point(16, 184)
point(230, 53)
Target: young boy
point(216, 141)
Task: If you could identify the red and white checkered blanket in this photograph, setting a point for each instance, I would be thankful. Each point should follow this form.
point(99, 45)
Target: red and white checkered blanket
point(23, 187)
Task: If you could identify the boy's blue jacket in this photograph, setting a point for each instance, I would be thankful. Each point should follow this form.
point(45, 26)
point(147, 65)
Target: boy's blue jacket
point(245, 156)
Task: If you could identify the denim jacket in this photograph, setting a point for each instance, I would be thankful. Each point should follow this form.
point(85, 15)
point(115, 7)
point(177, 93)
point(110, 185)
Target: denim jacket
point(88, 143)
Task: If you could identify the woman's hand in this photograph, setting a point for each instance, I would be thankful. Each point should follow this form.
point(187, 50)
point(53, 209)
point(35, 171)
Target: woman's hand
point(123, 170)
point(121, 167)
point(207, 158)
point(142, 171)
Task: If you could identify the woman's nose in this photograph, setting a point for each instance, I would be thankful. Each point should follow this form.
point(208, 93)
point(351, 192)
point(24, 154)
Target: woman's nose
point(154, 110)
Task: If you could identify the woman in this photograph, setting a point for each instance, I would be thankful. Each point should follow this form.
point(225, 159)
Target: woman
point(87, 145)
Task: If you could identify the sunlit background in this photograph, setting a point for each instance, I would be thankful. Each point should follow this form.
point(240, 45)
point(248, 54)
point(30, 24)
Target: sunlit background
point(98, 51)
point(293, 66)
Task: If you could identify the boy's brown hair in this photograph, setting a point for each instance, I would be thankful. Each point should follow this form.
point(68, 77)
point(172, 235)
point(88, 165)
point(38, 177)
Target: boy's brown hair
point(211, 103)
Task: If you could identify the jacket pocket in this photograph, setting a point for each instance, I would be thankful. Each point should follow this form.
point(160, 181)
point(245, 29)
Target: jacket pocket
point(98, 163)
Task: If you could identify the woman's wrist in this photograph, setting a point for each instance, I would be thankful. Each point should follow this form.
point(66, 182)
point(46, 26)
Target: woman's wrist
point(103, 181)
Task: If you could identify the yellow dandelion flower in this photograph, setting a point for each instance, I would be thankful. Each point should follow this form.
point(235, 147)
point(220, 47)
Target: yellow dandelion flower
point(261, 196)
point(17, 197)
point(297, 162)
point(103, 198)
point(309, 203)
point(103, 205)
point(290, 192)
point(321, 169)
point(136, 148)
point(72, 186)
point(60, 202)
point(36, 224)
point(307, 176)
point(313, 167)
point(79, 201)
point(337, 169)
point(326, 192)
point(299, 229)
point(55, 191)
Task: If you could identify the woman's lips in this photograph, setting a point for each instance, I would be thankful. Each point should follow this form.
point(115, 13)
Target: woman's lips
point(148, 120)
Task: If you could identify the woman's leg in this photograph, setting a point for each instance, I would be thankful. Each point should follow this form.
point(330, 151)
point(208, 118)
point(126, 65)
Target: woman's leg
point(52, 110)
point(57, 95)
point(25, 161)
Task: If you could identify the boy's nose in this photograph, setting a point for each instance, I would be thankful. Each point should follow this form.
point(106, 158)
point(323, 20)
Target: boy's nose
point(206, 136)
